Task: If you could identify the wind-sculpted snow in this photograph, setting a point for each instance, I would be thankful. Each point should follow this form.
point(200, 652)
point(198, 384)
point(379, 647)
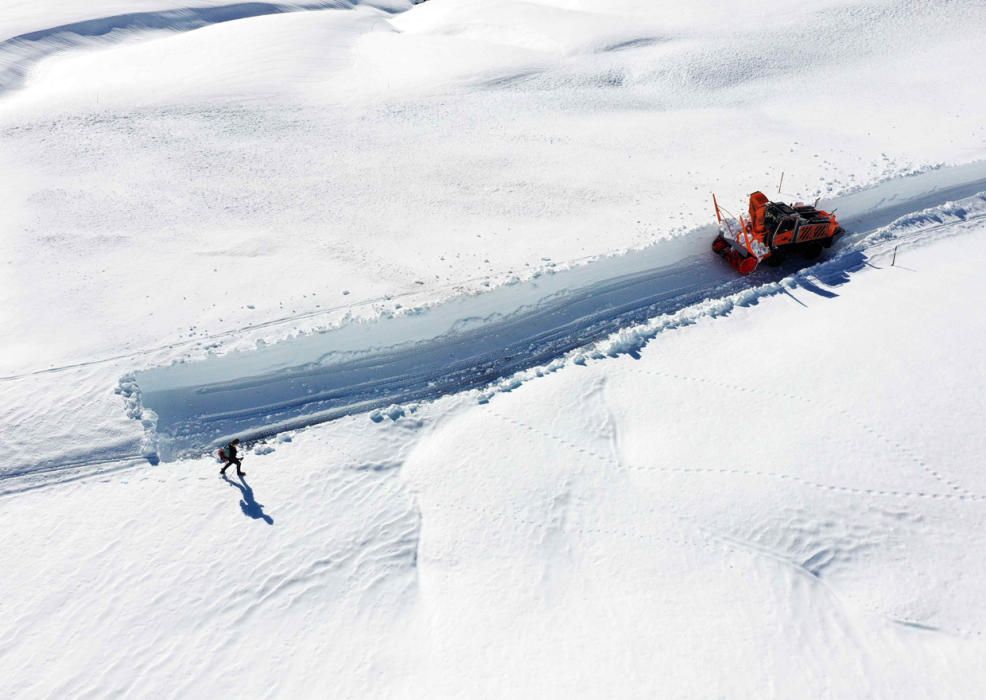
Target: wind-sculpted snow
point(476, 341)
point(20, 53)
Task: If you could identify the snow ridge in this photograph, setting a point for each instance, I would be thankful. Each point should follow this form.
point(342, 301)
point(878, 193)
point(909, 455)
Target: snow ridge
point(20, 53)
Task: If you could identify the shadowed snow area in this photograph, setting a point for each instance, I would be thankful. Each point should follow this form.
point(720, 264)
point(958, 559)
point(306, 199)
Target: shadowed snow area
point(475, 341)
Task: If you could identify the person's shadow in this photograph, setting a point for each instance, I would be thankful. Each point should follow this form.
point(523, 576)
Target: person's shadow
point(248, 504)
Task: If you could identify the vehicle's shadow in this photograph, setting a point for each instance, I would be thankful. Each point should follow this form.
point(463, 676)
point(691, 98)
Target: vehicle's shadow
point(248, 504)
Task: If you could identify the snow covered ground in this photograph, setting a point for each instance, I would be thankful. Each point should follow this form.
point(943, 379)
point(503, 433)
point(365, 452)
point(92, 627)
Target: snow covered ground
point(672, 526)
point(633, 475)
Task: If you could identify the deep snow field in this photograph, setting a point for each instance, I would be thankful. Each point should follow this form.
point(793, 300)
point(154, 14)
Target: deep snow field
point(513, 430)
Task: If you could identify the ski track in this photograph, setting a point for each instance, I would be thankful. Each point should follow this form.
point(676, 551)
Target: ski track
point(32, 478)
point(192, 416)
point(20, 53)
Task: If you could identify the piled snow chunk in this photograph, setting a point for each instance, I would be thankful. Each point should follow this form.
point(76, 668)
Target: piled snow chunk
point(393, 412)
point(130, 391)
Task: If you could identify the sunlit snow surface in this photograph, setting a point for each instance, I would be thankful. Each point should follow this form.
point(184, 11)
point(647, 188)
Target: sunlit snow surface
point(738, 488)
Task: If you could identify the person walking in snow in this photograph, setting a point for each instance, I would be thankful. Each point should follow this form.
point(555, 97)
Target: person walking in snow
point(229, 457)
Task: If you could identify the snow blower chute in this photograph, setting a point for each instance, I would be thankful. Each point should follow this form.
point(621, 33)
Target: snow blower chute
point(772, 230)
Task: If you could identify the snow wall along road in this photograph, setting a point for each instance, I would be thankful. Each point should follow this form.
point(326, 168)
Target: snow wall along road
point(473, 341)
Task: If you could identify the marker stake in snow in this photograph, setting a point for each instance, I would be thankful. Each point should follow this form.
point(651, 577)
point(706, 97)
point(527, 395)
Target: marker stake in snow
point(894, 259)
point(781, 183)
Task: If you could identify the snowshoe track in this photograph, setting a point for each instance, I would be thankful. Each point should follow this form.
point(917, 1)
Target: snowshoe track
point(692, 533)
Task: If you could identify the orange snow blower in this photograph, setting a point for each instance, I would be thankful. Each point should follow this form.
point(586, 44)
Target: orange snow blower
point(773, 230)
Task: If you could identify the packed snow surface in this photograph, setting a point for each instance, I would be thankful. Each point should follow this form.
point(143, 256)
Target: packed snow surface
point(513, 430)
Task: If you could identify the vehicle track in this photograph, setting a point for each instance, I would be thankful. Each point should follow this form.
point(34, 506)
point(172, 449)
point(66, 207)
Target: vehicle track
point(408, 359)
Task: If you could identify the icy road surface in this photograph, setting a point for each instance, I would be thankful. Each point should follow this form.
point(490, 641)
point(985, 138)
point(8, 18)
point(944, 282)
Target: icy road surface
point(475, 341)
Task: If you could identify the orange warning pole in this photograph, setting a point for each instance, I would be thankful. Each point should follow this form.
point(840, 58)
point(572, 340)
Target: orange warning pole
point(719, 215)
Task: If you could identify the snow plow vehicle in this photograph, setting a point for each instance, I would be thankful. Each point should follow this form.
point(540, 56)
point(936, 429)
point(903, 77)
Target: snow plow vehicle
point(772, 230)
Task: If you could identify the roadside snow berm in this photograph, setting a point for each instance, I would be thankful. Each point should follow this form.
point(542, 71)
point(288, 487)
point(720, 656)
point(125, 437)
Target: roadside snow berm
point(772, 230)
